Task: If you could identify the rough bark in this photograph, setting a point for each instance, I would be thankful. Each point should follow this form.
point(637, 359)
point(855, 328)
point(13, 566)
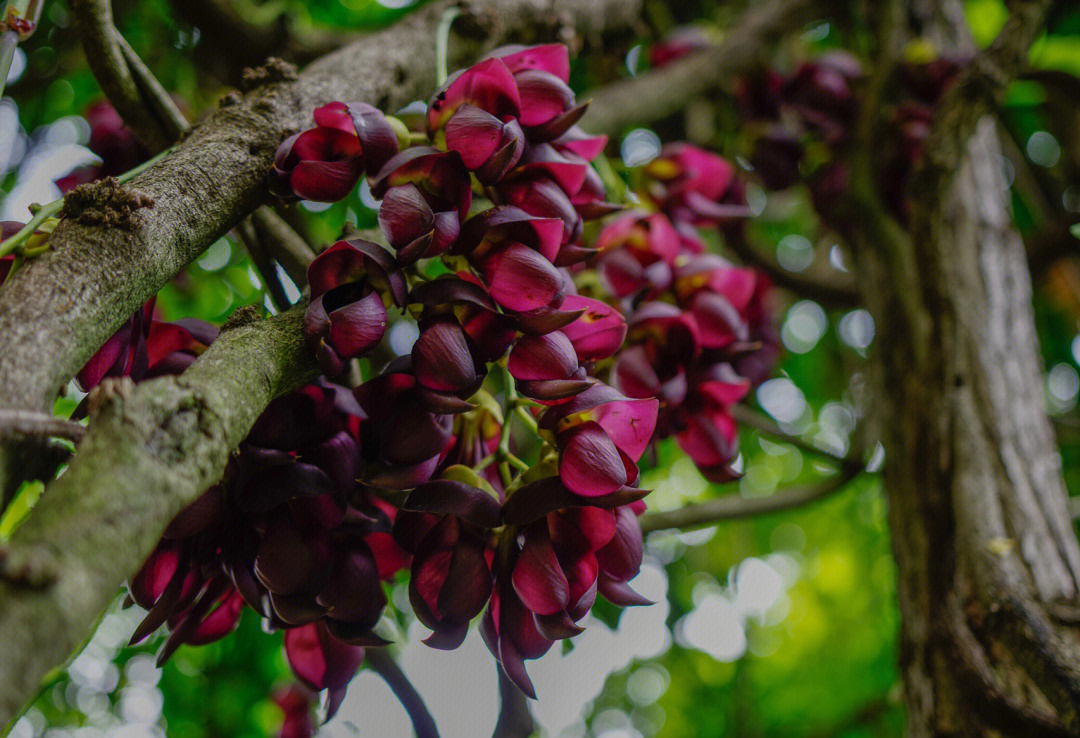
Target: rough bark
point(59, 308)
point(987, 559)
point(152, 449)
point(981, 534)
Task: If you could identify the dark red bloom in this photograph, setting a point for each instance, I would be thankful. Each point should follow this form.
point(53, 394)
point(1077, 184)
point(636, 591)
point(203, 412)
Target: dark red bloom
point(321, 661)
point(546, 367)
point(296, 702)
point(351, 284)
point(598, 333)
point(696, 186)
point(321, 164)
point(600, 434)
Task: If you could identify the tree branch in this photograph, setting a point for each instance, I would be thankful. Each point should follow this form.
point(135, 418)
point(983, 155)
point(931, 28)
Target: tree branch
point(734, 507)
point(664, 91)
point(383, 664)
point(151, 449)
point(29, 423)
point(515, 719)
point(232, 36)
point(61, 306)
point(837, 290)
point(749, 417)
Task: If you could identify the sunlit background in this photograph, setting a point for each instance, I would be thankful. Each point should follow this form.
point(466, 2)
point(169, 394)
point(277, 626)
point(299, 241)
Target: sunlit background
point(784, 625)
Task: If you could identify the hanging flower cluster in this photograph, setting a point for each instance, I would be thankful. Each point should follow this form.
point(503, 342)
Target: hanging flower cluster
point(700, 331)
point(488, 459)
point(804, 120)
point(337, 488)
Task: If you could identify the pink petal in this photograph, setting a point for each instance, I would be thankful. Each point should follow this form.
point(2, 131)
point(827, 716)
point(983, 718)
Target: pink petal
point(551, 58)
point(589, 462)
point(521, 279)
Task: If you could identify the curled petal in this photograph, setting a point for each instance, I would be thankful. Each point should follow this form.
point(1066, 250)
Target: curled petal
point(598, 333)
point(538, 579)
point(489, 86)
point(446, 497)
point(589, 461)
point(443, 358)
point(320, 660)
point(544, 496)
point(619, 593)
point(543, 96)
point(621, 557)
point(549, 356)
point(551, 58)
point(521, 279)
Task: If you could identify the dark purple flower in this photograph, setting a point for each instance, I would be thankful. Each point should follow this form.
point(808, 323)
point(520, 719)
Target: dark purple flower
point(321, 164)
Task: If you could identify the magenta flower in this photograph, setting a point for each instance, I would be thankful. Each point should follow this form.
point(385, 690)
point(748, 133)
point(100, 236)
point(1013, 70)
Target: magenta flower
point(600, 434)
point(426, 194)
point(351, 284)
point(488, 146)
point(444, 524)
point(322, 662)
point(445, 361)
point(489, 333)
point(820, 92)
point(403, 441)
point(697, 186)
point(488, 86)
point(296, 702)
point(521, 279)
point(372, 129)
point(598, 333)
point(321, 164)
point(708, 435)
point(639, 250)
point(546, 367)
point(145, 347)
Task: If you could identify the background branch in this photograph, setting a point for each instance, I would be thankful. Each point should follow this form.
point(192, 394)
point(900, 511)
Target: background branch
point(733, 507)
point(658, 93)
point(29, 423)
point(383, 664)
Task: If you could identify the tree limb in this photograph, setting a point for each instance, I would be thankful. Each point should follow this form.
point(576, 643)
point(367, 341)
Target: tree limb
point(836, 290)
point(61, 306)
point(152, 449)
point(29, 423)
point(515, 719)
point(661, 92)
point(383, 664)
point(749, 417)
point(734, 507)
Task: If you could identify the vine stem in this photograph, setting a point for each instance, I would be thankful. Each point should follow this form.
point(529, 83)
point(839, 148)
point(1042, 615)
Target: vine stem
point(47, 211)
point(442, 43)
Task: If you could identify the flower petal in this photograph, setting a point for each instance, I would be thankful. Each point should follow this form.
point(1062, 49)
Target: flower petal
point(589, 461)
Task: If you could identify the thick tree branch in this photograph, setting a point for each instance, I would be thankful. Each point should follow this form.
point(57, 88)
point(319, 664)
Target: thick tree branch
point(662, 92)
point(152, 449)
point(61, 306)
point(734, 507)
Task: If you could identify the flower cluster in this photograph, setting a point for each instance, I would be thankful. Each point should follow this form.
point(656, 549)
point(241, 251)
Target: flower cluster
point(803, 121)
point(700, 333)
point(488, 459)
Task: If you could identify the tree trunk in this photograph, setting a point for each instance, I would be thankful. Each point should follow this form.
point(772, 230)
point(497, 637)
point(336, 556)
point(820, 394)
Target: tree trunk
point(987, 558)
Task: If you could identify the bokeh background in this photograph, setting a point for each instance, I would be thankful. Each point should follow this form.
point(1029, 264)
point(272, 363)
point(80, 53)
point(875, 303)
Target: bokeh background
point(783, 625)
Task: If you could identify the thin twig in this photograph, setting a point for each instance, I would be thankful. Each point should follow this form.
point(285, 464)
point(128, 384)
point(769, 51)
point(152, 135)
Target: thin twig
point(762, 423)
point(263, 264)
point(30, 423)
point(733, 507)
point(384, 665)
point(833, 291)
point(287, 246)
